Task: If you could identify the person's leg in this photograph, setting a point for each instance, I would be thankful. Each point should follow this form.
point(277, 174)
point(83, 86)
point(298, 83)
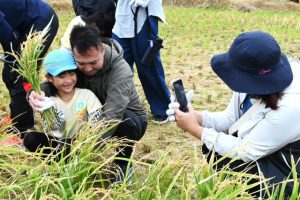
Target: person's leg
point(35, 141)
point(152, 77)
point(125, 44)
point(133, 128)
point(234, 165)
point(20, 110)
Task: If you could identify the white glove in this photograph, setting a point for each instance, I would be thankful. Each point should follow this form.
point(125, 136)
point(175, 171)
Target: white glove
point(189, 96)
point(138, 3)
point(170, 112)
point(46, 104)
point(175, 105)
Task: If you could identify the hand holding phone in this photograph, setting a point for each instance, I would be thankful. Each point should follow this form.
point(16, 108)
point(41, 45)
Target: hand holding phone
point(180, 95)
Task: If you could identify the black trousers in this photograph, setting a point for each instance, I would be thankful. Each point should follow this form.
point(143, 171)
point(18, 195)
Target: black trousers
point(34, 141)
point(133, 128)
point(20, 110)
point(234, 165)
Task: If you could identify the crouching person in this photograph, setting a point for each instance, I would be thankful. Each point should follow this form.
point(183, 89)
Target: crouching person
point(70, 104)
point(259, 129)
point(103, 70)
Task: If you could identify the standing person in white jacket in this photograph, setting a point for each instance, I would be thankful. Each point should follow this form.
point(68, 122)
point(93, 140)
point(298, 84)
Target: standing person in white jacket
point(268, 133)
point(136, 29)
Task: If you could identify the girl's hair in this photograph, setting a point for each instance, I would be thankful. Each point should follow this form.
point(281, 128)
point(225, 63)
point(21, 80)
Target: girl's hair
point(52, 88)
point(271, 100)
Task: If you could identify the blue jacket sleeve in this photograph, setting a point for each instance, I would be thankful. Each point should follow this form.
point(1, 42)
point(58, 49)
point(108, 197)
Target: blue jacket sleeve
point(7, 34)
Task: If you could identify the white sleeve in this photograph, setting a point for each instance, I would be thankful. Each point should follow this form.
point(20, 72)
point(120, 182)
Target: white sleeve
point(222, 121)
point(274, 131)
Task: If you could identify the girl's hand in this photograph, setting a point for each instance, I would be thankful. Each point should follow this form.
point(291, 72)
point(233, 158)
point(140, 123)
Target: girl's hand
point(35, 100)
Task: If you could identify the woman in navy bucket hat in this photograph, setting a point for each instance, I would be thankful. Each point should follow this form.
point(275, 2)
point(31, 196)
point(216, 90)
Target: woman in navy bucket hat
point(259, 130)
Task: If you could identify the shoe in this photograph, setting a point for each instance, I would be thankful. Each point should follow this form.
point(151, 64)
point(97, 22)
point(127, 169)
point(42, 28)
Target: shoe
point(124, 173)
point(159, 119)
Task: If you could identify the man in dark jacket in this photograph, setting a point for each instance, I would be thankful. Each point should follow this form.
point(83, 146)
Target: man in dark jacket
point(17, 18)
point(97, 12)
point(103, 70)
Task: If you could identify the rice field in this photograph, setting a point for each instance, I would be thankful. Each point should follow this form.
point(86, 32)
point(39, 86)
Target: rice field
point(168, 163)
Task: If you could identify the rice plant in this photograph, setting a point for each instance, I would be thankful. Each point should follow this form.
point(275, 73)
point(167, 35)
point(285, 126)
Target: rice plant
point(83, 173)
point(165, 162)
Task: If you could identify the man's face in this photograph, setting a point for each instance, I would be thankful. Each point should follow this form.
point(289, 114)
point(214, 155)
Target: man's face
point(91, 62)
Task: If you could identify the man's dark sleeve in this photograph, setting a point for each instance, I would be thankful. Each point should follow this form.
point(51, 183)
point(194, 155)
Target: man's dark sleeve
point(76, 7)
point(84, 7)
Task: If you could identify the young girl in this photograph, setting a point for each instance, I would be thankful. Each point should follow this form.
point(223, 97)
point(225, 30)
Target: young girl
point(71, 105)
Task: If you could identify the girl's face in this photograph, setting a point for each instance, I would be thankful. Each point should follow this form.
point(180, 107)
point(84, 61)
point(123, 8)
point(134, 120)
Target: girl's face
point(64, 83)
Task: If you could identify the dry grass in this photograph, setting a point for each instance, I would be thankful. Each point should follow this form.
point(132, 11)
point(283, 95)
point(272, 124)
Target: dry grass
point(264, 5)
point(191, 37)
point(61, 4)
point(242, 5)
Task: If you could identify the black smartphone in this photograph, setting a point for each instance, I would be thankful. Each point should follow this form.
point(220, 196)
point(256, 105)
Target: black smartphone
point(180, 95)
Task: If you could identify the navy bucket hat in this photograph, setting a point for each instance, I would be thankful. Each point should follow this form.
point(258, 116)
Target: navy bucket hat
point(254, 64)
